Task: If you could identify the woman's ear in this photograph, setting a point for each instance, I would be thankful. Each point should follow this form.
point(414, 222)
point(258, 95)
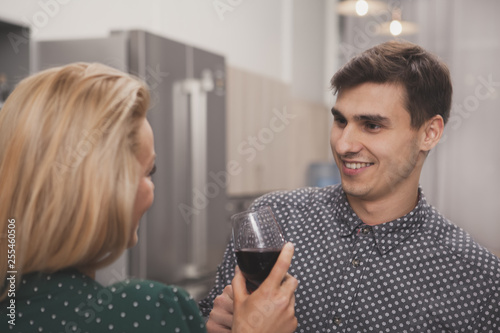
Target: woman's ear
point(432, 131)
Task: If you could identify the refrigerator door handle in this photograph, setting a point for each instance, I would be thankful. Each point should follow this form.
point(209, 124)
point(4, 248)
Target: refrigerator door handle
point(196, 92)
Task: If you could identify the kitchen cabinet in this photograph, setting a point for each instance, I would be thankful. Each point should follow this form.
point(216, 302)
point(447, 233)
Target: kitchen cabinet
point(272, 136)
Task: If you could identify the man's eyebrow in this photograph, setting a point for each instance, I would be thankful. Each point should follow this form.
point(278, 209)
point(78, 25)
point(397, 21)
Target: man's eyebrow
point(336, 113)
point(376, 118)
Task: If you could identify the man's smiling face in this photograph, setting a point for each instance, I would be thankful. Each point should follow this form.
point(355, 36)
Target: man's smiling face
point(374, 146)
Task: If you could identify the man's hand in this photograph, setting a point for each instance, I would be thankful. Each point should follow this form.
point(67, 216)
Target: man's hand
point(221, 316)
point(271, 308)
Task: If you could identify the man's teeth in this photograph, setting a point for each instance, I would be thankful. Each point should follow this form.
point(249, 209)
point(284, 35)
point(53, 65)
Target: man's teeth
point(357, 165)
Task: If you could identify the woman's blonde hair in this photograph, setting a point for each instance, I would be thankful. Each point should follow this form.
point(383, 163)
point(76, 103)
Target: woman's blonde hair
point(68, 168)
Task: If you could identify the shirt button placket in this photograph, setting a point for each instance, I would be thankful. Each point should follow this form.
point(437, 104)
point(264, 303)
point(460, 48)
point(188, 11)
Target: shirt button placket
point(355, 262)
point(363, 247)
point(365, 230)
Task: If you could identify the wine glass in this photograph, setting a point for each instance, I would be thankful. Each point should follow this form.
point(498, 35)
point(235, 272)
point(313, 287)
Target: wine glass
point(258, 241)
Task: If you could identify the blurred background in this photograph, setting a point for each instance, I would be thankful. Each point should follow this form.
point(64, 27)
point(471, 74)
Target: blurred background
point(241, 100)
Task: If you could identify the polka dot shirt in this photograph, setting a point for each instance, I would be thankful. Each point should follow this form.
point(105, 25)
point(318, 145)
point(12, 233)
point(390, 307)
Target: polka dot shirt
point(419, 273)
point(71, 302)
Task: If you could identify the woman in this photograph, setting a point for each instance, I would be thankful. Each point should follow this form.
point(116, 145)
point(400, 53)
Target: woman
point(76, 159)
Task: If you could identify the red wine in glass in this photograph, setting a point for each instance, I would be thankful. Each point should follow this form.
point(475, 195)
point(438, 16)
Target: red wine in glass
point(256, 264)
point(257, 241)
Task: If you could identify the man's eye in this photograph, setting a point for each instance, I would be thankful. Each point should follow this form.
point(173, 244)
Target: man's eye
point(340, 121)
point(373, 126)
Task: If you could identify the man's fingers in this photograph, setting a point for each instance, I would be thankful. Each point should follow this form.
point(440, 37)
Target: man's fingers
point(292, 300)
point(219, 322)
point(239, 289)
point(280, 269)
point(289, 282)
point(221, 316)
point(228, 290)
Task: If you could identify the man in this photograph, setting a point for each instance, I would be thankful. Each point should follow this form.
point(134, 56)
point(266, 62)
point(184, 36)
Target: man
point(372, 254)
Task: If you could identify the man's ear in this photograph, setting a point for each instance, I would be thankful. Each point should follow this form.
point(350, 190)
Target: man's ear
point(432, 130)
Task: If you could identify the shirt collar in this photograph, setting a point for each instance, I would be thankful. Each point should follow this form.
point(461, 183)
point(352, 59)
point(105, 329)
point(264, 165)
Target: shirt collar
point(350, 221)
point(387, 235)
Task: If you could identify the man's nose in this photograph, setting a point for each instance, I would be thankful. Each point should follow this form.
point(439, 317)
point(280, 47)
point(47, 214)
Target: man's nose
point(348, 141)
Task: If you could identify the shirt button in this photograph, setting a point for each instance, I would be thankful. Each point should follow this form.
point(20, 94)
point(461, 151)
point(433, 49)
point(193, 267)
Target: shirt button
point(337, 321)
point(365, 230)
point(355, 262)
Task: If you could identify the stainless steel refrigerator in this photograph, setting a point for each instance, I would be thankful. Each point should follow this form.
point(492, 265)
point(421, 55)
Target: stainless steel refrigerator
point(14, 56)
point(182, 237)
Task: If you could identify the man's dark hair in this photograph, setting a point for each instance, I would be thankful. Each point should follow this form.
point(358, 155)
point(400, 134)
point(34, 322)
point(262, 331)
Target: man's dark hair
point(425, 78)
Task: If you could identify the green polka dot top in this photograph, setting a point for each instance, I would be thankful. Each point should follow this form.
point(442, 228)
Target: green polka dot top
point(69, 301)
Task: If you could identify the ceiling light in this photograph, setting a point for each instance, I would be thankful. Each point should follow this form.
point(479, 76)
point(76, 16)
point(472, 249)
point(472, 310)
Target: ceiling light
point(397, 27)
point(360, 7)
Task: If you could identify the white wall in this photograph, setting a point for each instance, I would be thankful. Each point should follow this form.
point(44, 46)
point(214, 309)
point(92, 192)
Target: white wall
point(253, 35)
point(308, 38)
point(461, 176)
